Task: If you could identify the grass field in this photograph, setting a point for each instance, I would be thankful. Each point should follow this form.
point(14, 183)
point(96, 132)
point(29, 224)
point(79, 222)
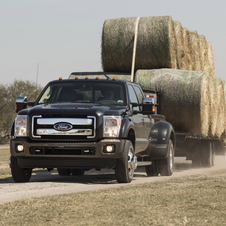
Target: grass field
point(194, 200)
point(4, 163)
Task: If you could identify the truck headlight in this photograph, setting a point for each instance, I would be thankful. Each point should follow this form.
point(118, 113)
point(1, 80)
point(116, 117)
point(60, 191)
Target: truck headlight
point(112, 126)
point(21, 126)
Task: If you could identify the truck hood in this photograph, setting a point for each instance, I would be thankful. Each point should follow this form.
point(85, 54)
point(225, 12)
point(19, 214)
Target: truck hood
point(75, 109)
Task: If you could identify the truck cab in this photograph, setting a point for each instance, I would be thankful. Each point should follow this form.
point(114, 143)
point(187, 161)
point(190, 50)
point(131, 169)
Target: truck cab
point(87, 123)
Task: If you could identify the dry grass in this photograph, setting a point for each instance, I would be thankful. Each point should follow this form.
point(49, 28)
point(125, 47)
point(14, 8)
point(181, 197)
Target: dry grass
point(203, 53)
point(181, 64)
point(220, 107)
point(194, 200)
point(211, 66)
point(187, 49)
point(195, 51)
point(4, 163)
point(213, 106)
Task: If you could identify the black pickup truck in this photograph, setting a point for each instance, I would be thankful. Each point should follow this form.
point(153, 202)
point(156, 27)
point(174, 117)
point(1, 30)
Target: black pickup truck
point(83, 123)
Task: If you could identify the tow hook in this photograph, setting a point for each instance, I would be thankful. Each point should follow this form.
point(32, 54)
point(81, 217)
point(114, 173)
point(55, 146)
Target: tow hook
point(134, 162)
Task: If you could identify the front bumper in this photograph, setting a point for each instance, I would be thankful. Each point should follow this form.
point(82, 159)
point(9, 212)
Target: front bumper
point(78, 155)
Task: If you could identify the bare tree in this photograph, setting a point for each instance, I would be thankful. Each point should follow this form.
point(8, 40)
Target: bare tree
point(8, 95)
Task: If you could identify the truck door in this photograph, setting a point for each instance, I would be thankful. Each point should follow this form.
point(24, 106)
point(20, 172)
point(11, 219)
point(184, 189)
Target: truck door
point(147, 119)
point(138, 120)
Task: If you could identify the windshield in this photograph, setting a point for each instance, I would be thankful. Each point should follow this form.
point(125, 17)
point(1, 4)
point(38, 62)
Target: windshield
point(106, 93)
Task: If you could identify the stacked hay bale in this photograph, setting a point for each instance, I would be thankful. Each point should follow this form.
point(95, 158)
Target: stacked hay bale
point(156, 47)
point(180, 45)
point(190, 95)
point(213, 106)
point(220, 108)
point(184, 97)
point(187, 49)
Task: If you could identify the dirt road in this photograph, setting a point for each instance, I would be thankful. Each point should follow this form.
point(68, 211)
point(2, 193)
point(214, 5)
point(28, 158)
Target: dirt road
point(50, 183)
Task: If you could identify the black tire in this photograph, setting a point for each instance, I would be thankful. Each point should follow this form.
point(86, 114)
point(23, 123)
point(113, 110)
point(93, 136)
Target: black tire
point(124, 168)
point(166, 165)
point(77, 172)
point(19, 175)
point(152, 170)
point(64, 171)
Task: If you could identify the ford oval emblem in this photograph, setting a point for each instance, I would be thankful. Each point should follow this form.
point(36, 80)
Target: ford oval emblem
point(62, 126)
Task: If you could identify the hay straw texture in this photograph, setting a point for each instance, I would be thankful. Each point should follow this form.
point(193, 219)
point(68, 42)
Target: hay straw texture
point(187, 49)
point(211, 66)
point(180, 45)
point(224, 86)
point(184, 98)
point(204, 53)
point(156, 47)
point(195, 51)
point(213, 106)
point(220, 108)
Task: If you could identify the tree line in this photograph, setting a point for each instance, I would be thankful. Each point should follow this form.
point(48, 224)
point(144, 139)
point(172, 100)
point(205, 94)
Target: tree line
point(8, 95)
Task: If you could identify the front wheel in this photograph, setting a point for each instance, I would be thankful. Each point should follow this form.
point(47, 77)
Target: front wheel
point(125, 166)
point(19, 174)
point(166, 165)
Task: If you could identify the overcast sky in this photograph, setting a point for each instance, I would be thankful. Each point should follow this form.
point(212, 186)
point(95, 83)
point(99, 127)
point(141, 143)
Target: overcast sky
point(64, 36)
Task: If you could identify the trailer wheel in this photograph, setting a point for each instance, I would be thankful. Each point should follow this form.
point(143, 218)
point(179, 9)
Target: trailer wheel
point(77, 172)
point(125, 166)
point(64, 171)
point(19, 174)
point(213, 158)
point(207, 154)
point(152, 170)
point(166, 165)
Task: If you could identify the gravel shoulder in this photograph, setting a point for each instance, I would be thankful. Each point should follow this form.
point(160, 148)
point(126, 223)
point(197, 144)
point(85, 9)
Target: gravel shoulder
point(44, 183)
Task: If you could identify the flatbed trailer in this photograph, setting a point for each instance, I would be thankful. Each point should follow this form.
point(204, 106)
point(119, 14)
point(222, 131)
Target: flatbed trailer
point(201, 150)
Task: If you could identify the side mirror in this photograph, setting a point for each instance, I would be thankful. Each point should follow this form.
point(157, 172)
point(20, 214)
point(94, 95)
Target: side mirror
point(21, 103)
point(148, 105)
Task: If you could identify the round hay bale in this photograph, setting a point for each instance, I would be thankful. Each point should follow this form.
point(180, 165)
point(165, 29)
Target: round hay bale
point(224, 86)
point(195, 51)
point(220, 108)
point(213, 106)
point(155, 43)
point(187, 49)
point(211, 66)
point(204, 53)
point(180, 45)
point(184, 98)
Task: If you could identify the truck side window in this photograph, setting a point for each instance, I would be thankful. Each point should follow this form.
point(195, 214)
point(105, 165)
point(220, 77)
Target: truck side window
point(139, 93)
point(133, 97)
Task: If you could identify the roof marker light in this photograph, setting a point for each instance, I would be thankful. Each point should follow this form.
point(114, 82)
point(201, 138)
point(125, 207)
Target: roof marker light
point(114, 79)
point(60, 78)
point(97, 78)
point(86, 78)
point(76, 78)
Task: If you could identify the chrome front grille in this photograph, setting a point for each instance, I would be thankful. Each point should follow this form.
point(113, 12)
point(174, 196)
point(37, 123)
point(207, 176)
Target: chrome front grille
point(43, 127)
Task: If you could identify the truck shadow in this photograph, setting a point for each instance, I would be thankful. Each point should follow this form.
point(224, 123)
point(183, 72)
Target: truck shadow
point(106, 176)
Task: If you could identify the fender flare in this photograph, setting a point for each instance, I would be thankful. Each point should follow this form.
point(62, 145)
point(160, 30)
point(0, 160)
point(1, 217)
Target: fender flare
point(160, 134)
point(126, 125)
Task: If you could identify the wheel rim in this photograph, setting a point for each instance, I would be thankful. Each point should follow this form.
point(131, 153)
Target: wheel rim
point(130, 163)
